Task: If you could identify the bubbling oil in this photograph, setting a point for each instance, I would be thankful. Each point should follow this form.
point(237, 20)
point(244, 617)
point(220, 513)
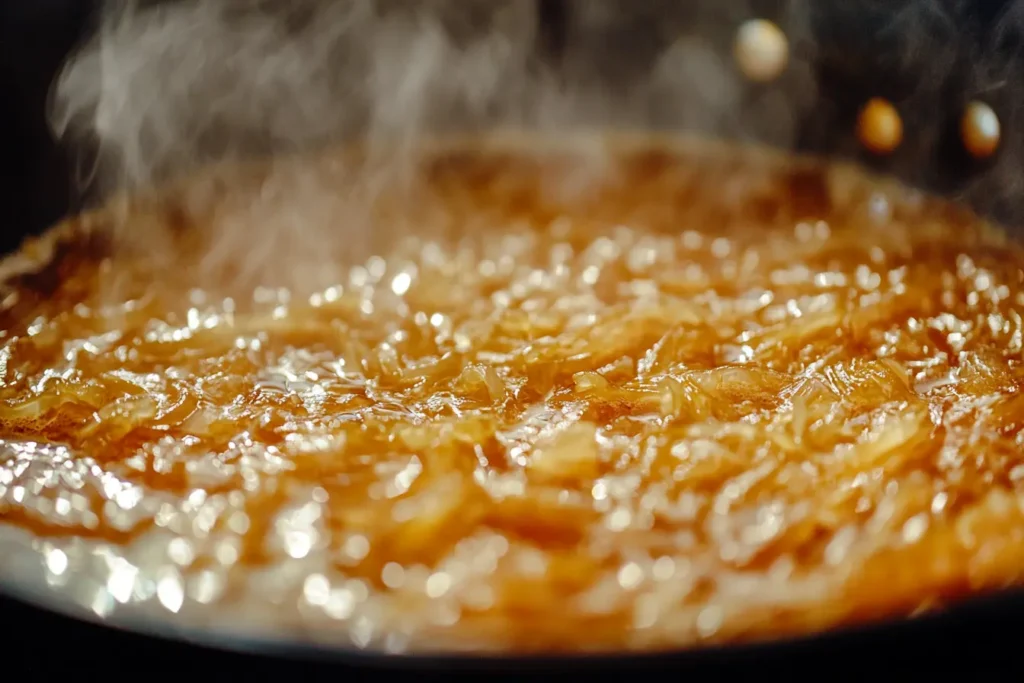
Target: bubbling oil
point(724, 396)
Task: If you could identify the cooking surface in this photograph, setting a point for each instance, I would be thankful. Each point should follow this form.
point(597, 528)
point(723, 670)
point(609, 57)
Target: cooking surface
point(724, 397)
point(927, 58)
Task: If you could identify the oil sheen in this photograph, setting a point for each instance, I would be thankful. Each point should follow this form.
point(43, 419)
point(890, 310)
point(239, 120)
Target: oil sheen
point(710, 402)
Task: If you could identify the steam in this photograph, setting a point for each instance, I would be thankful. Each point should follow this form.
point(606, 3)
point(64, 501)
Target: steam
point(165, 89)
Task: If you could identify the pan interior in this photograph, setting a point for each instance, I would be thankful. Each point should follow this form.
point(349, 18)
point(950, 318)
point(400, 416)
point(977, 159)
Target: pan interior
point(525, 398)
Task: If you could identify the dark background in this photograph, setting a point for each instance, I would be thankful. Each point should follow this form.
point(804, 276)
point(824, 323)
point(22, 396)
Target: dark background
point(35, 36)
point(929, 56)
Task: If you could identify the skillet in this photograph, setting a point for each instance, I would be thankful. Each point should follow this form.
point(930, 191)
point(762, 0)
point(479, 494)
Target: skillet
point(972, 634)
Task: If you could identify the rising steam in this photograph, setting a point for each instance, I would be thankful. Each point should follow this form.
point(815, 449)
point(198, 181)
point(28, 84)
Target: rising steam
point(164, 89)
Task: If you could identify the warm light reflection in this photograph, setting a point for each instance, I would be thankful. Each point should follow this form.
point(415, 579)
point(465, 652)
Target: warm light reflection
point(684, 412)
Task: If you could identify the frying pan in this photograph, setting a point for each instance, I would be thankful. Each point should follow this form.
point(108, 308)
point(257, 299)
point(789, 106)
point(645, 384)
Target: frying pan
point(861, 51)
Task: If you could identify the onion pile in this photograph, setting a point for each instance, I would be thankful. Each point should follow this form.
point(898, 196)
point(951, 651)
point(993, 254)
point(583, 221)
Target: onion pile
point(718, 399)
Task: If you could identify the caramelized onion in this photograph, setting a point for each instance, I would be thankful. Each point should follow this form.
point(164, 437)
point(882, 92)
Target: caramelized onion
point(724, 396)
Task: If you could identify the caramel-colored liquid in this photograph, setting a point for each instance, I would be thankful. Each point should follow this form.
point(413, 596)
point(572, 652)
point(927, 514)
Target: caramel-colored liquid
point(680, 409)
